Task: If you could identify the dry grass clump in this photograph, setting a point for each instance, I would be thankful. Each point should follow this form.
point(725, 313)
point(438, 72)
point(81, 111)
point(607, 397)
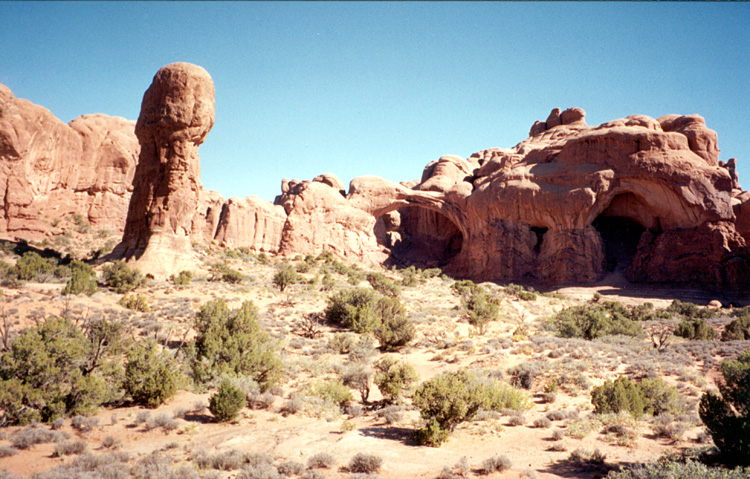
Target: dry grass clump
point(321, 460)
point(496, 464)
point(69, 448)
point(365, 463)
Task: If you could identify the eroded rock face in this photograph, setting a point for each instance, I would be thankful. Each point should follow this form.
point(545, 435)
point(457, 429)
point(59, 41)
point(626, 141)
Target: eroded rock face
point(642, 196)
point(177, 113)
point(49, 170)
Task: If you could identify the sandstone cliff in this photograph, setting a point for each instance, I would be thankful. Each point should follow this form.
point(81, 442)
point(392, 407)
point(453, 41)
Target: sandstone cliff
point(49, 170)
point(644, 197)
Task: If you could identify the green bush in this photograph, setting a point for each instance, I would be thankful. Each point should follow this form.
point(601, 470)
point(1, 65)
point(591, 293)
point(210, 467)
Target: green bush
point(135, 302)
point(482, 309)
point(393, 378)
point(649, 396)
point(31, 266)
point(121, 278)
point(227, 402)
point(689, 310)
point(452, 398)
point(383, 285)
point(737, 330)
point(183, 278)
point(82, 280)
point(232, 343)
point(361, 310)
point(151, 376)
point(520, 292)
point(395, 332)
point(671, 469)
point(55, 369)
point(696, 329)
point(465, 287)
point(285, 277)
point(333, 391)
point(592, 321)
point(727, 415)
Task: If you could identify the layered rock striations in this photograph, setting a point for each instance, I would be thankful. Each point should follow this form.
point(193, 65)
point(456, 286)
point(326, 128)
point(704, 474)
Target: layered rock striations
point(49, 170)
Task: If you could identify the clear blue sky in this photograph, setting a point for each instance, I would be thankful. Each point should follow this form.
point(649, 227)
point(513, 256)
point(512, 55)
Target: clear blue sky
point(383, 88)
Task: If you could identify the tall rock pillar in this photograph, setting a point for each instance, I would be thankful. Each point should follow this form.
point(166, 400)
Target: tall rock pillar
point(177, 113)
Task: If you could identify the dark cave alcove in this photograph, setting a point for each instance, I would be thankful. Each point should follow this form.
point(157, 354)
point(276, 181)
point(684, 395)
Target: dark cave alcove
point(620, 235)
point(418, 236)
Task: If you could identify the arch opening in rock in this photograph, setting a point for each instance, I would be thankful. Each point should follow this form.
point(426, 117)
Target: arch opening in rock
point(539, 232)
point(418, 236)
point(620, 235)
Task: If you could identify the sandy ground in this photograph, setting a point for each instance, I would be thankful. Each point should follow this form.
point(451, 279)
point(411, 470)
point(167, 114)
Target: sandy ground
point(437, 313)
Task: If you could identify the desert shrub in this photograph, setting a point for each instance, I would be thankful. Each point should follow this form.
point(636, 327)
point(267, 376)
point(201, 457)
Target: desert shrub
point(482, 309)
point(6, 451)
point(263, 471)
point(354, 309)
point(55, 369)
point(523, 374)
point(659, 397)
point(84, 423)
point(361, 310)
point(321, 460)
point(30, 436)
point(135, 302)
point(82, 279)
point(737, 329)
point(233, 343)
point(119, 277)
point(585, 457)
point(496, 464)
point(31, 266)
point(520, 292)
point(671, 469)
point(451, 398)
point(411, 276)
point(183, 278)
point(333, 391)
point(285, 277)
point(151, 376)
point(359, 377)
point(383, 285)
point(290, 468)
point(665, 426)
point(465, 287)
point(69, 448)
point(592, 321)
point(395, 332)
point(695, 329)
point(365, 463)
point(727, 414)
point(342, 343)
point(542, 423)
point(393, 377)
point(227, 402)
point(689, 310)
point(650, 396)
point(164, 421)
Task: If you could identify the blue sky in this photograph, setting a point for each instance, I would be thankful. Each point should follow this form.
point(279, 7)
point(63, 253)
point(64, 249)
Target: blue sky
point(383, 88)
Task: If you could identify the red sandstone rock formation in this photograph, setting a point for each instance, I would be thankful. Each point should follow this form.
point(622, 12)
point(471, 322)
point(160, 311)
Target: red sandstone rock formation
point(177, 113)
point(49, 170)
point(647, 197)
